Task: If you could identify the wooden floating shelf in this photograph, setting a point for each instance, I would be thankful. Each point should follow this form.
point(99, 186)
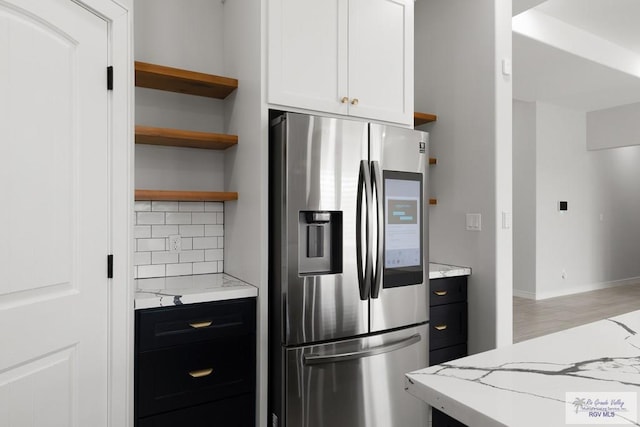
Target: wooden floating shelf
point(433, 201)
point(184, 138)
point(422, 118)
point(433, 161)
point(183, 81)
point(186, 196)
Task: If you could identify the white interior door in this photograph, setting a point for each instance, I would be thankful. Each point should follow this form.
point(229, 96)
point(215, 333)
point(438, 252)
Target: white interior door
point(54, 205)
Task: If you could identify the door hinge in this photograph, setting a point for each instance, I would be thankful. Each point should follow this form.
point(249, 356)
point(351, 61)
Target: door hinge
point(110, 77)
point(109, 266)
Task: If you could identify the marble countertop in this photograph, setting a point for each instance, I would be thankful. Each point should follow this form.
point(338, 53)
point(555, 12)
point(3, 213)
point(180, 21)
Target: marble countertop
point(438, 271)
point(535, 382)
point(171, 291)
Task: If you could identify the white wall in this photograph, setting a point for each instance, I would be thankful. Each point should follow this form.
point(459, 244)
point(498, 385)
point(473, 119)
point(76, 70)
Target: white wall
point(597, 241)
point(524, 199)
point(457, 48)
point(169, 33)
point(246, 168)
point(225, 39)
point(613, 127)
point(504, 173)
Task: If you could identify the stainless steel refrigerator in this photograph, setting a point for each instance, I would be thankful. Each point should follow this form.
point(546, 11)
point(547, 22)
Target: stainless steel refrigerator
point(348, 272)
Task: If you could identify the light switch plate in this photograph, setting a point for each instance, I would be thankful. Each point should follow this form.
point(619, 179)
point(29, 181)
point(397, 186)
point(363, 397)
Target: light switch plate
point(507, 67)
point(474, 222)
point(506, 220)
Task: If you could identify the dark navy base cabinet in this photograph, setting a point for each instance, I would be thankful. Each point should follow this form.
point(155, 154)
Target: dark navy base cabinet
point(448, 330)
point(195, 365)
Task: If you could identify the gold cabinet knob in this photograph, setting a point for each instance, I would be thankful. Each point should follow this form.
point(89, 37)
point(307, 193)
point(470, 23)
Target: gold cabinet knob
point(344, 100)
point(354, 101)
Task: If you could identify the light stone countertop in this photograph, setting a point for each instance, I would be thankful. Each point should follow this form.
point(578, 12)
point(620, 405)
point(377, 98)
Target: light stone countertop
point(438, 271)
point(172, 291)
point(535, 383)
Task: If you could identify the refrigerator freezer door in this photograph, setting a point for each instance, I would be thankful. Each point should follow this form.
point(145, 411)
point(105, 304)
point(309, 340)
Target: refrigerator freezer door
point(356, 382)
point(401, 280)
point(321, 161)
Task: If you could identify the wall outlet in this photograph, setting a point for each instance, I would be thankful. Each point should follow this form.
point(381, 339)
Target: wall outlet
point(175, 243)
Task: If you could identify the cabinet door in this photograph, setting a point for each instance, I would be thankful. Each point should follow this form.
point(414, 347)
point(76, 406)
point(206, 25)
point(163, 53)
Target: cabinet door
point(381, 59)
point(307, 54)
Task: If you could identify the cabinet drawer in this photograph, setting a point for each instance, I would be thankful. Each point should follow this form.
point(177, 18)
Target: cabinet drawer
point(168, 326)
point(447, 290)
point(195, 373)
point(446, 354)
point(237, 411)
point(448, 325)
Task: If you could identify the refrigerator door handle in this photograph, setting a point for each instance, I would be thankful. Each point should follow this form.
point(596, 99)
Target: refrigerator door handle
point(315, 359)
point(364, 187)
point(377, 184)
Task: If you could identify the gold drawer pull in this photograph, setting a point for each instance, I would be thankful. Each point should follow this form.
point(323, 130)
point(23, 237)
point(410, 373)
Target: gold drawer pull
point(198, 325)
point(201, 373)
point(441, 327)
point(440, 293)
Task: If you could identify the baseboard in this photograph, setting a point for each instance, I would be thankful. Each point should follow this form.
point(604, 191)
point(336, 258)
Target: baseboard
point(584, 288)
point(524, 294)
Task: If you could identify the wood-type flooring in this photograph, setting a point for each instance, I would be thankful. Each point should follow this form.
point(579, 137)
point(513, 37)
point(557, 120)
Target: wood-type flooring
point(535, 318)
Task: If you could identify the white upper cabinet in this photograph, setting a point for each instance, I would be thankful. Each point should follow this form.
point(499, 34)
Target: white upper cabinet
point(349, 57)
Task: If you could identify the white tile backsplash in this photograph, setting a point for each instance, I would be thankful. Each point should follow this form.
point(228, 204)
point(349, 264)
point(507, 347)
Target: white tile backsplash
point(145, 271)
point(214, 207)
point(204, 218)
point(183, 269)
point(143, 218)
point(178, 218)
point(164, 206)
point(205, 243)
point(191, 207)
point(192, 256)
point(145, 245)
point(142, 231)
point(164, 258)
point(214, 230)
point(163, 230)
point(192, 230)
point(142, 258)
point(205, 267)
point(187, 243)
point(213, 255)
point(142, 206)
point(201, 227)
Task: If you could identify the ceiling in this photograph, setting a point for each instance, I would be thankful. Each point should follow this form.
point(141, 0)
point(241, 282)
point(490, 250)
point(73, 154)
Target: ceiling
point(613, 20)
point(546, 73)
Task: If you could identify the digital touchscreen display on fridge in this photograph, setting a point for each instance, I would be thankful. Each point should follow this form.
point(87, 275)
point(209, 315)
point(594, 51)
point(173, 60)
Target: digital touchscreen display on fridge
point(403, 228)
